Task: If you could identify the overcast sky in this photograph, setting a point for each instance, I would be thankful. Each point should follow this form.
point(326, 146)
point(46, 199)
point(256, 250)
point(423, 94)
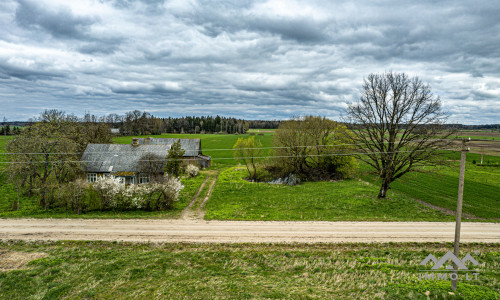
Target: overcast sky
point(253, 59)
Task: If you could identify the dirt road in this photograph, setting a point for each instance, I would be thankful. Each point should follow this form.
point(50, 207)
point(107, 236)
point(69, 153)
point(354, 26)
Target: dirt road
point(242, 232)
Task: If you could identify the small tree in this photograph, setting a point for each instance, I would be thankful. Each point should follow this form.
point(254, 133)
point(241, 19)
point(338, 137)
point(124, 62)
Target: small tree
point(400, 125)
point(248, 150)
point(174, 159)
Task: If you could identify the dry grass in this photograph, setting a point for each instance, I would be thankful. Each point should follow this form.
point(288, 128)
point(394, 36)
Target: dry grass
point(13, 260)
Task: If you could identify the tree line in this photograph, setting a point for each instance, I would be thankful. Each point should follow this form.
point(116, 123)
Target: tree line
point(143, 123)
point(7, 130)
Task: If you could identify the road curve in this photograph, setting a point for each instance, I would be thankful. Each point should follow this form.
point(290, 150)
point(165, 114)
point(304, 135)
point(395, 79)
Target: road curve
point(243, 231)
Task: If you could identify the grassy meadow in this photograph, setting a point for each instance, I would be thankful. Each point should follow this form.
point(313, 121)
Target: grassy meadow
point(102, 270)
point(234, 198)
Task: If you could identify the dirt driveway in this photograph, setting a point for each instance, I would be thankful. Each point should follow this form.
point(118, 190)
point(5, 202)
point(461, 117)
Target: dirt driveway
point(243, 232)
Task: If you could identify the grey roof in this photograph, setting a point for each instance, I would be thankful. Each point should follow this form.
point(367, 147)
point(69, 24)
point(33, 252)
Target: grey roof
point(192, 147)
point(104, 158)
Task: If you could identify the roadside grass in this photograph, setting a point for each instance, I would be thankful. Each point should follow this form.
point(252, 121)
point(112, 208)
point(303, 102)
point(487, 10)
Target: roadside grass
point(211, 143)
point(102, 270)
point(234, 198)
point(30, 208)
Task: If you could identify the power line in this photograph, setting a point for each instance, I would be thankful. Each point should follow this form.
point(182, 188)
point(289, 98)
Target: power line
point(206, 150)
point(227, 158)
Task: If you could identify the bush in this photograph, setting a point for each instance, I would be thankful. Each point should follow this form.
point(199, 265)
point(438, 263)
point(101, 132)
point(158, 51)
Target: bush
point(192, 170)
point(312, 148)
point(109, 193)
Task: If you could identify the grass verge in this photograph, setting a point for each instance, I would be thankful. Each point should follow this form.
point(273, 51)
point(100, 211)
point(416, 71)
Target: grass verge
point(238, 271)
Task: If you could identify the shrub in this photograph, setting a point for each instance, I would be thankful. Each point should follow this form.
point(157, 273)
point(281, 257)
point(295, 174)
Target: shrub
point(170, 191)
point(72, 195)
point(192, 170)
point(109, 193)
point(313, 148)
point(109, 189)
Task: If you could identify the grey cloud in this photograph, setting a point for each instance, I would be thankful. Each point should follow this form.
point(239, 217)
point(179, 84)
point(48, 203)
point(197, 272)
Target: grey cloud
point(60, 23)
point(8, 70)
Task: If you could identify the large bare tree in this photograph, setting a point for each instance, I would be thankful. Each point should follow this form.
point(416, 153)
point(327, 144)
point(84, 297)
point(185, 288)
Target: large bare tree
point(400, 125)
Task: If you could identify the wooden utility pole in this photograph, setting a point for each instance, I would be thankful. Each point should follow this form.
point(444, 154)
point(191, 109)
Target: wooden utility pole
point(459, 210)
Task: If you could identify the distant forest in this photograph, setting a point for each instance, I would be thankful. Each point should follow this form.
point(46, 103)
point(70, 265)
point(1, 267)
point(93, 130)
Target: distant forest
point(143, 123)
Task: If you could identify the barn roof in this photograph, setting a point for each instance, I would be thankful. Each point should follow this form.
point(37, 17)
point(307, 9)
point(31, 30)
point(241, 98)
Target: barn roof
point(192, 147)
point(111, 158)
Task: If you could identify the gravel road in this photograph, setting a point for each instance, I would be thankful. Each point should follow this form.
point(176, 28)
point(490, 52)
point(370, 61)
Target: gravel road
point(242, 231)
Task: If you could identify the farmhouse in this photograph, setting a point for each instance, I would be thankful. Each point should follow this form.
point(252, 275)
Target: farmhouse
point(191, 147)
point(124, 161)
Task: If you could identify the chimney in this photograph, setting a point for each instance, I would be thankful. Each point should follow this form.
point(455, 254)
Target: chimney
point(135, 142)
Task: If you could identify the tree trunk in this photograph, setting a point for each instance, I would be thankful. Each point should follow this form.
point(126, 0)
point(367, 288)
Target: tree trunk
point(383, 189)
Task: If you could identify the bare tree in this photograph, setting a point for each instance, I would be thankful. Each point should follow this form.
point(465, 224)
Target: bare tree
point(248, 150)
point(400, 125)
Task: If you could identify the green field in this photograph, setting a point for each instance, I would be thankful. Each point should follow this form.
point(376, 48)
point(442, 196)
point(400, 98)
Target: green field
point(102, 270)
point(439, 186)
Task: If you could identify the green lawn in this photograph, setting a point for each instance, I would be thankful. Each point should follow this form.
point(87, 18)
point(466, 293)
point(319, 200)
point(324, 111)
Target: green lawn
point(104, 270)
point(234, 198)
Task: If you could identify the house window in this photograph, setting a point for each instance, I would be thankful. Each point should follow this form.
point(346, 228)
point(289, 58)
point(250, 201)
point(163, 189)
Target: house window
point(143, 178)
point(129, 180)
point(91, 177)
point(121, 179)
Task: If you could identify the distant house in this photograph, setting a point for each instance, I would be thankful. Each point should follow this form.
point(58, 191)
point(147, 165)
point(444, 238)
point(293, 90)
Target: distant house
point(124, 161)
point(115, 131)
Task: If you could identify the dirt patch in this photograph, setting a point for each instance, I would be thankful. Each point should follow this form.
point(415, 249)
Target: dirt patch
point(190, 213)
point(17, 260)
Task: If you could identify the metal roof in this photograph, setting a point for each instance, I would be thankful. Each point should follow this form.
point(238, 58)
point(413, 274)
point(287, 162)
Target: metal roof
point(192, 147)
point(111, 158)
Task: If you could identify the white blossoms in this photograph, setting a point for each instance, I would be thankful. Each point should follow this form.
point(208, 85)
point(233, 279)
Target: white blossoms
point(192, 170)
point(115, 194)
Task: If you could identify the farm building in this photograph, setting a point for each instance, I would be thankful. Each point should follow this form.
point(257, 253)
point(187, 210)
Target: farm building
point(191, 147)
point(128, 162)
